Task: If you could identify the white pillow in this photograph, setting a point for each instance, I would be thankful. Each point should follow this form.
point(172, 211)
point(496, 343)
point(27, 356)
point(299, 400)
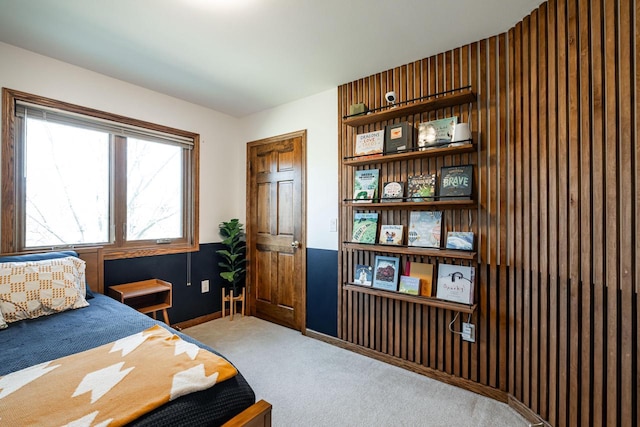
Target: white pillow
point(39, 288)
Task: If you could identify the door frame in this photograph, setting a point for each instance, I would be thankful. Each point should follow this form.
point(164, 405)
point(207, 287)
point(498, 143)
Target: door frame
point(250, 207)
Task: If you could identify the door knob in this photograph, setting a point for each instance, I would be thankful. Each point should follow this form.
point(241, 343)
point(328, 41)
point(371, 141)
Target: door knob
point(295, 244)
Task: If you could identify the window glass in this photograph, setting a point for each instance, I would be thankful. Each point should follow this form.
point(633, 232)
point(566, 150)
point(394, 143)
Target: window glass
point(67, 185)
point(154, 190)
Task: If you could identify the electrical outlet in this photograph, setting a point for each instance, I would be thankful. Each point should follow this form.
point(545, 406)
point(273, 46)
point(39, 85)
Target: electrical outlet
point(469, 332)
point(333, 224)
point(205, 286)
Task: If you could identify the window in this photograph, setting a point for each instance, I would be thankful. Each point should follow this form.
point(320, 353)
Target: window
point(86, 178)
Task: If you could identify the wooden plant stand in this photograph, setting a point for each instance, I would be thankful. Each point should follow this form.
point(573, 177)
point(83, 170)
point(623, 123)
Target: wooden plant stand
point(232, 302)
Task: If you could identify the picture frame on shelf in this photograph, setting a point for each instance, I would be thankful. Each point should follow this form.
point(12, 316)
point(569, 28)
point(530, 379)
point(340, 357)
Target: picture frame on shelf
point(456, 283)
point(386, 272)
point(365, 227)
point(421, 188)
point(436, 133)
point(365, 185)
point(392, 191)
point(424, 272)
point(398, 138)
point(391, 234)
point(409, 285)
point(456, 182)
point(369, 144)
point(363, 275)
point(460, 240)
point(425, 228)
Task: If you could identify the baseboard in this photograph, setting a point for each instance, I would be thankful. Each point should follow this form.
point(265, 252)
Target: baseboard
point(466, 384)
point(198, 320)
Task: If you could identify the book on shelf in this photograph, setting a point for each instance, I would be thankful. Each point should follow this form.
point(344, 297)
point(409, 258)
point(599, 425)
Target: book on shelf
point(386, 272)
point(456, 182)
point(424, 272)
point(421, 188)
point(369, 144)
point(462, 240)
point(409, 285)
point(456, 283)
point(391, 234)
point(365, 227)
point(398, 138)
point(425, 228)
point(392, 191)
point(365, 185)
point(435, 133)
point(363, 275)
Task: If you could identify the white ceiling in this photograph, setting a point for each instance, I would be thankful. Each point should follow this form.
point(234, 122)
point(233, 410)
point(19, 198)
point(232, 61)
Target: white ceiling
point(244, 56)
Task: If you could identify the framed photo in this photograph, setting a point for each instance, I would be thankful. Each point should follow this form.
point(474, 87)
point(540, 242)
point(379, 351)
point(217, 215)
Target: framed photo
point(397, 138)
point(456, 283)
point(393, 191)
point(363, 275)
point(409, 285)
point(456, 182)
point(436, 132)
point(385, 273)
point(425, 228)
point(369, 144)
point(391, 234)
point(462, 240)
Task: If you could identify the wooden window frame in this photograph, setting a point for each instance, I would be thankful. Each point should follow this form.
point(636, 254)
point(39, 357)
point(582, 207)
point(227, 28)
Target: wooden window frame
point(13, 191)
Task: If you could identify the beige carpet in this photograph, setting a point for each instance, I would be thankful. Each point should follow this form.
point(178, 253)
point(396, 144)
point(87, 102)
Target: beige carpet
point(312, 383)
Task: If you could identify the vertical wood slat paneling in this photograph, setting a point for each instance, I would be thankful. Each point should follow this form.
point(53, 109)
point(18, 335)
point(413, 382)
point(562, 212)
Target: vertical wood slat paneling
point(563, 232)
point(476, 124)
point(502, 200)
point(597, 210)
point(516, 262)
point(481, 87)
point(492, 207)
point(543, 252)
point(532, 399)
point(636, 168)
point(611, 195)
point(552, 272)
point(573, 231)
point(585, 119)
point(557, 223)
point(526, 213)
point(627, 333)
point(510, 221)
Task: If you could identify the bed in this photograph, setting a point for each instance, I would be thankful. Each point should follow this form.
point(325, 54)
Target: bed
point(30, 342)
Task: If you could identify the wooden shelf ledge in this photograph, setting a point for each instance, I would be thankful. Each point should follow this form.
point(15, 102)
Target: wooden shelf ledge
point(430, 301)
point(434, 205)
point(411, 250)
point(410, 155)
point(436, 103)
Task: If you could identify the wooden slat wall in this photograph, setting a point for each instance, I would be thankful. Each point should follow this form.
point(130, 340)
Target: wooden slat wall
point(558, 222)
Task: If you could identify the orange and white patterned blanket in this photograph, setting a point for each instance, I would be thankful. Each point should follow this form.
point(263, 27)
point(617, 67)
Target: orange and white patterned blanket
point(110, 385)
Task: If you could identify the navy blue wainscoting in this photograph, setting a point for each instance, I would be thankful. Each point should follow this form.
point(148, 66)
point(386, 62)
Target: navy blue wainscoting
point(188, 301)
point(322, 291)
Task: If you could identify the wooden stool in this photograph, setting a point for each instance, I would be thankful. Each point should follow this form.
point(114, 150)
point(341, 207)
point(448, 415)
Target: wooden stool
point(232, 302)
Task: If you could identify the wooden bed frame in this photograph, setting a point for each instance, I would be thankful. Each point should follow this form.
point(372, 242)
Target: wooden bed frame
point(257, 415)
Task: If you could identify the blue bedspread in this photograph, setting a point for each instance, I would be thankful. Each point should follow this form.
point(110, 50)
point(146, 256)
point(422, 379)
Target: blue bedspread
point(30, 342)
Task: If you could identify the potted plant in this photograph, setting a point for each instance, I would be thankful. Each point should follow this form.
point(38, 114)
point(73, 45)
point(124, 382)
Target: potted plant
point(233, 262)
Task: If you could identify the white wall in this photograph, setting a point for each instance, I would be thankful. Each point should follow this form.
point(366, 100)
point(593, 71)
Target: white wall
point(318, 114)
point(220, 161)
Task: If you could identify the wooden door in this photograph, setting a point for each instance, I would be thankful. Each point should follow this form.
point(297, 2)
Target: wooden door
point(276, 267)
